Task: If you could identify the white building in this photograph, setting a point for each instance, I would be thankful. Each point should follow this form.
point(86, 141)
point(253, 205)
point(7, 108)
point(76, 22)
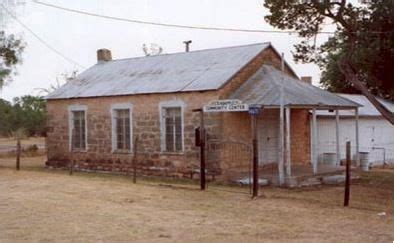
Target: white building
point(376, 135)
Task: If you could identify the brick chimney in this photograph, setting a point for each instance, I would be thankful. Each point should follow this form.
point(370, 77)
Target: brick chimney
point(103, 55)
point(306, 79)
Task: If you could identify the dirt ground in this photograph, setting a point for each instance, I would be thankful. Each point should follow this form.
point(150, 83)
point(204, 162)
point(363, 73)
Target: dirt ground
point(49, 205)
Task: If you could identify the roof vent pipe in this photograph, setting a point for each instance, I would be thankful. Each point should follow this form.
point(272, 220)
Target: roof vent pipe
point(187, 44)
point(103, 55)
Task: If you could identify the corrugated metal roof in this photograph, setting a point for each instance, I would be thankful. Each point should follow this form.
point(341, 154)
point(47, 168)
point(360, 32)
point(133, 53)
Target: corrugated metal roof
point(191, 71)
point(263, 88)
point(367, 108)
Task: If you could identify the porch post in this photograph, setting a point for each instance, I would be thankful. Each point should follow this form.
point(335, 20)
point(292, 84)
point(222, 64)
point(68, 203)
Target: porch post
point(314, 141)
point(357, 139)
point(281, 143)
point(337, 137)
point(288, 144)
point(281, 156)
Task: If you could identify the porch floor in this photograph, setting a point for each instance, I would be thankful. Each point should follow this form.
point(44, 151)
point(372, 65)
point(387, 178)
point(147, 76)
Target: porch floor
point(302, 175)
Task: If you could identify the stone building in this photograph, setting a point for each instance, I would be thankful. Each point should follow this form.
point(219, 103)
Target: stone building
point(96, 118)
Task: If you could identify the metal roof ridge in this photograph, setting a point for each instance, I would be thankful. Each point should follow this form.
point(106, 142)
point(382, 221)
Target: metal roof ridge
point(183, 52)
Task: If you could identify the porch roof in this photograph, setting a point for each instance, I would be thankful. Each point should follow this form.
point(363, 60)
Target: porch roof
point(263, 89)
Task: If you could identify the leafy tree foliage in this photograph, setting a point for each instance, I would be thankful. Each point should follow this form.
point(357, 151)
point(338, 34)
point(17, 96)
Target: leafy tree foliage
point(374, 56)
point(27, 112)
point(6, 117)
point(359, 57)
point(10, 55)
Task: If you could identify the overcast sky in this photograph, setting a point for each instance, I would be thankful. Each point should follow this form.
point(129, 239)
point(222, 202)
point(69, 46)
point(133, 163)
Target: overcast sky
point(78, 36)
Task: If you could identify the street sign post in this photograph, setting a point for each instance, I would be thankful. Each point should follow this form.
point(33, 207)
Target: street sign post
point(254, 111)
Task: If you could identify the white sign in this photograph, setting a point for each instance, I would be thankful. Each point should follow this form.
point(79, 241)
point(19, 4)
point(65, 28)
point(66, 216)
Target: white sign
point(225, 106)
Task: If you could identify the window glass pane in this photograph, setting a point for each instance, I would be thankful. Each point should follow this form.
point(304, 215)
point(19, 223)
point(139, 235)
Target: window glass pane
point(169, 134)
point(122, 126)
point(173, 129)
point(78, 132)
point(178, 133)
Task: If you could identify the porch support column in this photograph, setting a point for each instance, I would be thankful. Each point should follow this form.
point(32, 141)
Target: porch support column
point(288, 143)
point(314, 142)
point(281, 168)
point(357, 139)
point(281, 176)
point(337, 137)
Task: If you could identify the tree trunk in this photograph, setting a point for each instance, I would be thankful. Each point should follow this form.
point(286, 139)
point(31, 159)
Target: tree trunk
point(351, 76)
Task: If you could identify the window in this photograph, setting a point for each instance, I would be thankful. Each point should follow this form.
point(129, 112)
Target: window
point(78, 130)
point(172, 120)
point(121, 127)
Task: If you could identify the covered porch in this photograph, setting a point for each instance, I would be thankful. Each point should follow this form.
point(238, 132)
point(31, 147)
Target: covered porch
point(286, 127)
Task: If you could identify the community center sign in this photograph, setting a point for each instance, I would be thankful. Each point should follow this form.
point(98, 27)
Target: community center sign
point(225, 106)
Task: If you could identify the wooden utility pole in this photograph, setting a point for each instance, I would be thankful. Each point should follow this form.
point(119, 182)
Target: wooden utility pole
point(18, 153)
point(347, 182)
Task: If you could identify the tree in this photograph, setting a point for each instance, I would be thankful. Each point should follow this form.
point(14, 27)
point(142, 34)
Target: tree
point(61, 80)
point(11, 47)
point(26, 112)
point(359, 57)
point(6, 117)
point(30, 114)
point(10, 55)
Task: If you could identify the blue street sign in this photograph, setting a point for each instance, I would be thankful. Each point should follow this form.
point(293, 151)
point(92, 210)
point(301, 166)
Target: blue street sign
point(254, 111)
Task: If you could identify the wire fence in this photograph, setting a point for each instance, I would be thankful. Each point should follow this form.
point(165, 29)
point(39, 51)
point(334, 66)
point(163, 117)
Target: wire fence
point(227, 162)
point(29, 146)
point(231, 162)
